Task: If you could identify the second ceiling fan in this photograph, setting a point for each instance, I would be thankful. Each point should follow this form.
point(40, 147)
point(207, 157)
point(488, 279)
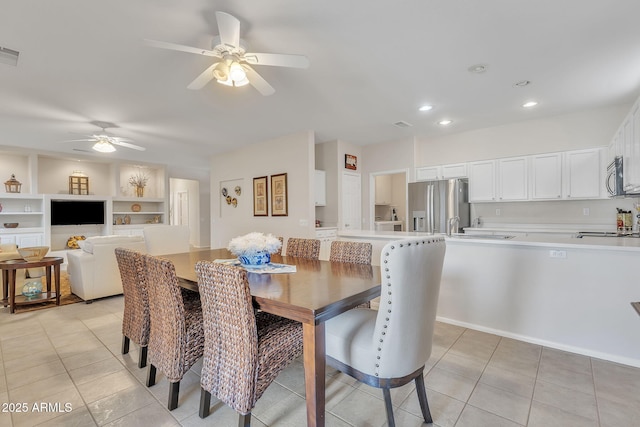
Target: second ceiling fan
point(233, 67)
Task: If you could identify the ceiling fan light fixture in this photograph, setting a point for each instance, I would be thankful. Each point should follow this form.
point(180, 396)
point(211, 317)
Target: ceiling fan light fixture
point(104, 146)
point(221, 71)
point(237, 73)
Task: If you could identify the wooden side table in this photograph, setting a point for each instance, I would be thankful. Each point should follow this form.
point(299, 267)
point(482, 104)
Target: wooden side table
point(9, 268)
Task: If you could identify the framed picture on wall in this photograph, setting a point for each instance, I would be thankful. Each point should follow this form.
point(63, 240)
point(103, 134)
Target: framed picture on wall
point(260, 205)
point(350, 162)
point(279, 199)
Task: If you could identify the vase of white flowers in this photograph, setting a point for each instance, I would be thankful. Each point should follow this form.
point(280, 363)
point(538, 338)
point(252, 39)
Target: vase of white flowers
point(139, 181)
point(254, 248)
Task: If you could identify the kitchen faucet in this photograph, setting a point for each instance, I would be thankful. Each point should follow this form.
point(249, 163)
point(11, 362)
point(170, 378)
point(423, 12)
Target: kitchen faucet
point(453, 220)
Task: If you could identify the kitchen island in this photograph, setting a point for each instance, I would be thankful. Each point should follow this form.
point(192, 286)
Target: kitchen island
point(567, 293)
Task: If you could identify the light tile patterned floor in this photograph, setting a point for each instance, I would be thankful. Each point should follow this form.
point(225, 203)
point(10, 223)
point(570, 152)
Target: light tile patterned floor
point(70, 356)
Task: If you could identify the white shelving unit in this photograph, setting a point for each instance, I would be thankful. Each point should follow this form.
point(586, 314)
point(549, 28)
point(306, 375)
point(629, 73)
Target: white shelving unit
point(27, 211)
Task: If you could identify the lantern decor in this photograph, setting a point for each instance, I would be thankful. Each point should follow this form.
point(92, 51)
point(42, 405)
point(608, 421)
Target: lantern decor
point(12, 185)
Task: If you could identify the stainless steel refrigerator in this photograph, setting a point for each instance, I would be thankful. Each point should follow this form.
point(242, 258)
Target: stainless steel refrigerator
point(433, 203)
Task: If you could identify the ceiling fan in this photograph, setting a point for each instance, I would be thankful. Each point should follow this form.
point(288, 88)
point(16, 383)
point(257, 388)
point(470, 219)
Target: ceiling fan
point(233, 69)
point(105, 143)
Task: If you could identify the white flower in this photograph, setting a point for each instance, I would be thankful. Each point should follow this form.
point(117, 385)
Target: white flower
point(252, 243)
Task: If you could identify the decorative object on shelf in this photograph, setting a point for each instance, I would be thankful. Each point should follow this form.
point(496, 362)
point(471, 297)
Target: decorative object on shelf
point(78, 183)
point(72, 242)
point(12, 185)
point(139, 181)
point(260, 205)
point(350, 162)
point(118, 221)
point(127, 219)
point(0, 207)
point(11, 225)
point(136, 207)
point(279, 200)
point(254, 248)
point(27, 207)
point(234, 202)
point(34, 253)
point(238, 190)
point(32, 288)
point(224, 192)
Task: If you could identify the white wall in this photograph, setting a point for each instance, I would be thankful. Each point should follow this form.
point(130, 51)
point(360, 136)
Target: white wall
point(291, 154)
point(593, 128)
point(327, 160)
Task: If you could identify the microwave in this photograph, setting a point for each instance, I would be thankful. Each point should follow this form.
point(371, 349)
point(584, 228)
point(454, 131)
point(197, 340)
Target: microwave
point(615, 178)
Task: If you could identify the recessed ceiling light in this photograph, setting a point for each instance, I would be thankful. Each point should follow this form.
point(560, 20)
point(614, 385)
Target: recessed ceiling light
point(445, 122)
point(478, 68)
point(529, 104)
point(522, 83)
point(425, 108)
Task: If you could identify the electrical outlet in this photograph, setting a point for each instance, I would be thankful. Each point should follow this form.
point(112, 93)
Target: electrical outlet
point(557, 254)
point(585, 211)
point(498, 212)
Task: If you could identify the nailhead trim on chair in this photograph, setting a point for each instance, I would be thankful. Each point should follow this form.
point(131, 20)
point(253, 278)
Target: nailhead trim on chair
point(388, 299)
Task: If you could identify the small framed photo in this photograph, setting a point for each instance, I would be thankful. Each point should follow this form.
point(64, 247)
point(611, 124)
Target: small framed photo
point(260, 205)
point(350, 162)
point(279, 199)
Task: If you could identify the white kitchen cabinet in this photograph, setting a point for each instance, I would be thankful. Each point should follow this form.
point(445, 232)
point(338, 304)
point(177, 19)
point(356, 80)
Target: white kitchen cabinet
point(546, 176)
point(320, 183)
point(582, 174)
point(326, 236)
point(428, 173)
point(383, 189)
point(632, 163)
point(512, 179)
point(457, 170)
point(482, 181)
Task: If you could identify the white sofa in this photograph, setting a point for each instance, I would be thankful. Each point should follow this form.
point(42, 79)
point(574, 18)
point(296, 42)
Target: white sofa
point(93, 269)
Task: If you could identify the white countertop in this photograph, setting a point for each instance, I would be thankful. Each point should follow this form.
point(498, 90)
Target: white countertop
point(631, 244)
point(389, 222)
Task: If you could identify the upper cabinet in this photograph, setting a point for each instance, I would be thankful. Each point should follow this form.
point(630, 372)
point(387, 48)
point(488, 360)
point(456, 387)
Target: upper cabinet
point(546, 176)
point(383, 189)
point(626, 143)
point(320, 183)
point(512, 179)
point(482, 181)
point(428, 173)
point(582, 174)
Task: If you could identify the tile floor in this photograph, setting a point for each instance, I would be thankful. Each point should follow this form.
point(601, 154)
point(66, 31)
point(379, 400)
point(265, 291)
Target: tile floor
point(70, 356)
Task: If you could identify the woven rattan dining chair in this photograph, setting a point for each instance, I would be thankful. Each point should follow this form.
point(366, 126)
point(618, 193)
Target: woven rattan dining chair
point(303, 248)
point(388, 348)
point(244, 351)
point(135, 319)
point(354, 253)
point(176, 338)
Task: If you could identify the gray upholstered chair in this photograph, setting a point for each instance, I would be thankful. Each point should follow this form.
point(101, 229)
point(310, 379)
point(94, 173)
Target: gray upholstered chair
point(135, 319)
point(244, 351)
point(166, 239)
point(176, 337)
point(303, 248)
point(389, 347)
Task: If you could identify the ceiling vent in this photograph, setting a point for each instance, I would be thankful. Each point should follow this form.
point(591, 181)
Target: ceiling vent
point(402, 124)
point(9, 56)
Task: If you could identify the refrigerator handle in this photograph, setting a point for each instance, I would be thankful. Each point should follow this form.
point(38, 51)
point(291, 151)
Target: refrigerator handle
point(431, 208)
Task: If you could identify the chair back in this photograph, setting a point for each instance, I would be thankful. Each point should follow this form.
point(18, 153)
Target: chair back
point(352, 252)
point(230, 363)
point(166, 239)
point(411, 270)
point(135, 320)
point(167, 315)
point(303, 248)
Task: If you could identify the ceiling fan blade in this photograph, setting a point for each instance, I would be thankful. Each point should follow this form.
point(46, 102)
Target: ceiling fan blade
point(277, 59)
point(229, 27)
point(258, 82)
point(203, 79)
point(180, 47)
point(126, 144)
point(80, 140)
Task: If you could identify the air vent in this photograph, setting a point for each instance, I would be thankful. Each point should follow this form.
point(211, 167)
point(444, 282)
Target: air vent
point(402, 124)
point(9, 56)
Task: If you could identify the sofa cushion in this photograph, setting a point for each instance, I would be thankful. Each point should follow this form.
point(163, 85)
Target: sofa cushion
point(88, 244)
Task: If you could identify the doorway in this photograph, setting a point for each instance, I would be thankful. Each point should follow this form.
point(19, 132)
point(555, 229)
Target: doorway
point(184, 206)
point(388, 199)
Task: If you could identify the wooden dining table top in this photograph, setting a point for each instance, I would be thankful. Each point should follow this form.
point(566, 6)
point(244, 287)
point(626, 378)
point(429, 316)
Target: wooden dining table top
point(317, 291)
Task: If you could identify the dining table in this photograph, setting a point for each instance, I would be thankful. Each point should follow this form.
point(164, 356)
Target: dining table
point(314, 293)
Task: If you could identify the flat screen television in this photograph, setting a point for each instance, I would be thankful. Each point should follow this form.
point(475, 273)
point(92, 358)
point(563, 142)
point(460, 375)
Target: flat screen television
point(75, 212)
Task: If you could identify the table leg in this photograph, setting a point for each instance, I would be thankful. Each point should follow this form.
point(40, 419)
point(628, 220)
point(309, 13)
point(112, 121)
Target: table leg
point(56, 278)
point(12, 290)
point(314, 372)
point(47, 270)
point(5, 285)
